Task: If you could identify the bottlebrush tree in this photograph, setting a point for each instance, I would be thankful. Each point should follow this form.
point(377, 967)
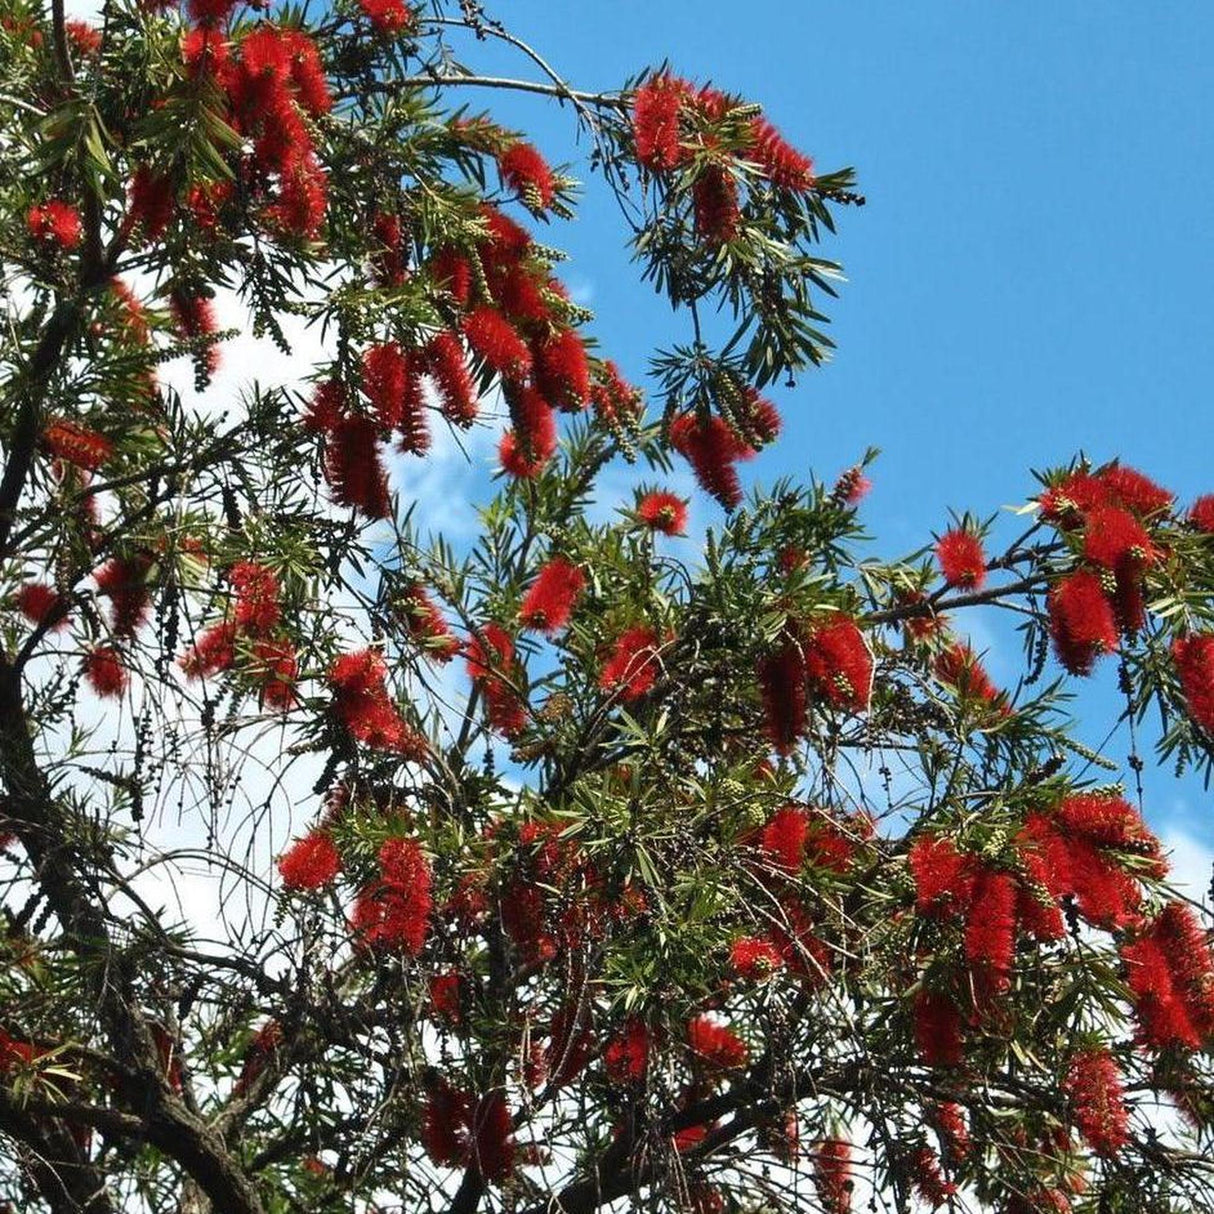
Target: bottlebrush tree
point(626, 871)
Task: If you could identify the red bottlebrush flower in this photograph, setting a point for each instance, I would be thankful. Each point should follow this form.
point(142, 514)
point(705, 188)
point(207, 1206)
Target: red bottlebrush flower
point(307, 72)
point(353, 468)
point(715, 205)
point(959, 665)
point(444, 1133)
point(548, 604)
point(56, 222)
point(124, 583)
point(1036, 899)
point(655, 123)
point(990, 931)
point(388, 16)
point(833, 1175)
point(394, 912)
point(444, 360)
point(37, 602)
point(492, 1142)
point(534, 430)
point(927, 1179)
point(261, 1049)
point(962, 561)
point(85, 38)
point(937, 1021)
point(276, 666)
point(1129, 488)
point(452, 273)
point(496, 341)
point(105, 672)
point(215, 650)
point(1114, 538)
point(1159, 1003)
point(426, 625)
point(1093, 1084)
point(955, 1141)
point(1106, 821)
point(326, 408)
point(1201, 514)
point(754, 959)
point(151, 202)
point(445, 996)
point(205, 52)
point(76, 444)
point(626, 1057)
point(518, 292)
point(389, 259)
point(392, 383)
point(206, 201)
point(1081, 621)
point(523, 169)
point(632, 667)
point(779, 161)
point(715, 1044)
point(492, 667)
point(311, 862)
point(852, 487)
point(302, 198)
point(944, 877)
point(663, 511)
point(785, 698)
point(784, 837)
point(562, 370)
point(211, 12)
point(257, 609)
point(194, 316)
point(1068, 501)
point(838, 664)
point(362, 703)
point(1186, 946)
point(1193, 657)
point(712, 449)
point(616, 401)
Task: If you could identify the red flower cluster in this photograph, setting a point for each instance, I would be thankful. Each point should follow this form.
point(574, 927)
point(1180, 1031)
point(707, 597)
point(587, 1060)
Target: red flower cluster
point(458, 1129)
point(392, 383)
point(443, 358)
point(626, 1057)
point(76, 444)
point(668, 115)
point(851, 488)
point(937, 1025)
point(389, 17)
point(663, 511)
point(194, 316)
point(150, 203)
point(311, 862)
point(1170, 971)
point(255, 613)
point(37, 602)
point(960, 666)
point(1201, 513)
point(55, 222)
point(1072, 853)
point(1093, 1084)
point(124, 581)
point(105, 672)
point(632, 667)
point(524, 170)
point(445, 996)
point(1194, 660)
point(548, 604)
point(754, 959)
point(498, 676)
point(714, 202)
point(833, 1175)
point(1103, 599)
point(261, 1049)
point(394, 911)
point(716, 1045)
point(962, 560)
point(362, 704)
point(426, 625)
point(782, 681)
point(927, 1179)
point(838, 664)
point(714, 449)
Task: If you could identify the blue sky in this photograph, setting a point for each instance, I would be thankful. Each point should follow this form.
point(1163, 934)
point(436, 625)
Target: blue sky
point(1029, 278)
